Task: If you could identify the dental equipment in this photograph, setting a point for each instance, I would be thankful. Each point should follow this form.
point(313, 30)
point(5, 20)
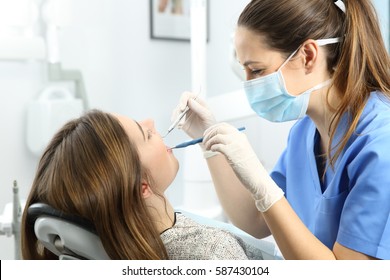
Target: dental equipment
point(196, 141)
point(10, 220)
point(181, 115)
point(176, 122)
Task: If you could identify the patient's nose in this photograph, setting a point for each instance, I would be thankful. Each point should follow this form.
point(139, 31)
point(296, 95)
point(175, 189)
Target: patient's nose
point(149, 123)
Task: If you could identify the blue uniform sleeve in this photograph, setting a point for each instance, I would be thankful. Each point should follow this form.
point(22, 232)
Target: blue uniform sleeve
point(278, 174)
point(365, 218)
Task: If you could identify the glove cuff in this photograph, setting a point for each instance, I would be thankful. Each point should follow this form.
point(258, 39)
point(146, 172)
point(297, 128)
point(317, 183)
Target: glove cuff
point(209, 154)
point(271, 196)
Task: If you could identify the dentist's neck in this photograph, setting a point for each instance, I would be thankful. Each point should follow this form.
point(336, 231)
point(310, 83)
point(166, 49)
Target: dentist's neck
point(321, 114)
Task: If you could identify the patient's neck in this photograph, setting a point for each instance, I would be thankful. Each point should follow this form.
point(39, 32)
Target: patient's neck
point(161, 212)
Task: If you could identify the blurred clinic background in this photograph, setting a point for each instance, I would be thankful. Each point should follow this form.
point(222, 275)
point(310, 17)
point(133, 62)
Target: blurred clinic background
point(60, 57)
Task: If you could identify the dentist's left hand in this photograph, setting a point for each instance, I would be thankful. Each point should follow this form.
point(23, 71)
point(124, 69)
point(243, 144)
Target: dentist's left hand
point(234, 144)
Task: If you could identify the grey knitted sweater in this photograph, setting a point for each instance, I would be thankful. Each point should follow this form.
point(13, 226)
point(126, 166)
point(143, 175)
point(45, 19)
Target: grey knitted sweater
point(188, 240)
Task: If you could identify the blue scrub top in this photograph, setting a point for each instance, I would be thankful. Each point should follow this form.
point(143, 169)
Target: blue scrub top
point(352, 206)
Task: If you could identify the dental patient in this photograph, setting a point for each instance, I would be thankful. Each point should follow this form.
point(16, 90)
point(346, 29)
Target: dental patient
point(113, 171)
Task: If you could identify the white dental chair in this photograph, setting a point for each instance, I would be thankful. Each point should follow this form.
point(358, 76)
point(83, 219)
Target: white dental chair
point(69, 237)
point(74, 238)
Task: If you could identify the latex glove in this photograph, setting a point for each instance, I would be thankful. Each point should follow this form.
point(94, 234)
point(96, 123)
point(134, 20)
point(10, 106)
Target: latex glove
point(197, 119)
point(234, 144)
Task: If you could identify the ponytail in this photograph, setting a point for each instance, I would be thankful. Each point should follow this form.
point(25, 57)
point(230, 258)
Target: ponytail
point(363, 67)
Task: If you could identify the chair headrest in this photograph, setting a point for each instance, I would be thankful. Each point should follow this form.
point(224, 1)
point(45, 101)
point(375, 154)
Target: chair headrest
point(67, 236)
point(36, 210)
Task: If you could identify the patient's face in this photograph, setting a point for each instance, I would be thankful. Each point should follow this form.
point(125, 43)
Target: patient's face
point(154, 154)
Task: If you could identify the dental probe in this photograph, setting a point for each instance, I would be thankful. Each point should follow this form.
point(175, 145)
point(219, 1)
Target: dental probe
point(181, 115)
point(196, 141)
point(176, 122)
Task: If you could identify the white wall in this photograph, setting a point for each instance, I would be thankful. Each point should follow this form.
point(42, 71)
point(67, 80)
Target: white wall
point(383, 10)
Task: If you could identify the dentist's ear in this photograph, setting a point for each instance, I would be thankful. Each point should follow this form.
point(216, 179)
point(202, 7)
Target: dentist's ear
point(310, 49)
point(146, 190)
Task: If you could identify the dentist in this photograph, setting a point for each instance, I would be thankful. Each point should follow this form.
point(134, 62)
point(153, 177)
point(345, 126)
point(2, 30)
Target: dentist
point(323, 63)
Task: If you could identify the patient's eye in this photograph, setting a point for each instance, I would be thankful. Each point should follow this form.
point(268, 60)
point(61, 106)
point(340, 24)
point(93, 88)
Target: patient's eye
point(150, 133)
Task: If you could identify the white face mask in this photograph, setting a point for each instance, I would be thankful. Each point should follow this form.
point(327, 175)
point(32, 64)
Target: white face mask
point(269, 98)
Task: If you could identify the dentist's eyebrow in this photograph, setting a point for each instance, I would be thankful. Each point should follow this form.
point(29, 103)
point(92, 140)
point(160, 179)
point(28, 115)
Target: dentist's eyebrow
point(142, 131)
point(250, 62)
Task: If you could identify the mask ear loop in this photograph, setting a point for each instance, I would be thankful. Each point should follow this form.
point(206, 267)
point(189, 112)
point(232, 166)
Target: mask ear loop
point(320, 42)
point(288, 58)
point(329, 41)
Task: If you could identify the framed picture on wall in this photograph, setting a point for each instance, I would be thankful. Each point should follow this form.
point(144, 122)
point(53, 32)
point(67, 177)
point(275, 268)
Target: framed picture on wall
point(171, 19)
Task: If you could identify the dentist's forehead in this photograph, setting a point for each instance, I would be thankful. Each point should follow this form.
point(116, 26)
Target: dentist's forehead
point(251, 47)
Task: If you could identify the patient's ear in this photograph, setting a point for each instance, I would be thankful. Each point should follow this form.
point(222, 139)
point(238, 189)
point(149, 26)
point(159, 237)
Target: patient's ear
point(146, 190)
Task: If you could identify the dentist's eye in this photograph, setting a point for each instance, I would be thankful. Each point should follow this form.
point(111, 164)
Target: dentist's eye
point(257, 72)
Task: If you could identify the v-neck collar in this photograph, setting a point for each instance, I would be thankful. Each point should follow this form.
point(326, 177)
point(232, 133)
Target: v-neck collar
point(314, 137)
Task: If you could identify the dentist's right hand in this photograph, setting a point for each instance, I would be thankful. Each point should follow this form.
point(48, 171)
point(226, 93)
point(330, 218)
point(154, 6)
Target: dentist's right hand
point(227, 140)
point(197, 119)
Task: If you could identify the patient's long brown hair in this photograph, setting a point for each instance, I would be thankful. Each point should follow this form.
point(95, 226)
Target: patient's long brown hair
point(92, 169)
point(359, 63)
